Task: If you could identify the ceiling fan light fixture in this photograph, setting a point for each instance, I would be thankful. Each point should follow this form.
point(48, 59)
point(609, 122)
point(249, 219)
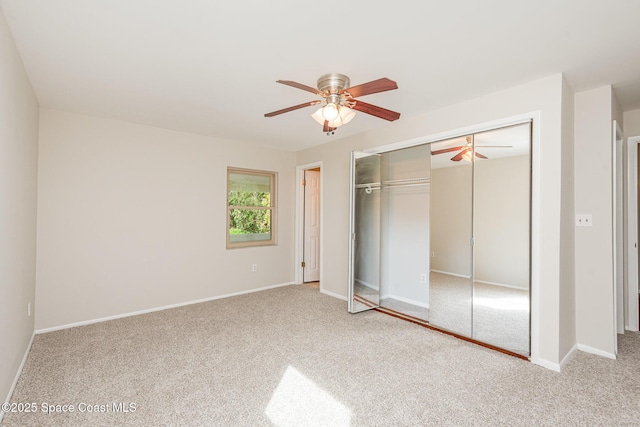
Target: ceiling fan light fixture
point(468, 156)
point(344, 116)
point(317, 116)
point(338, 102)
point(330, 112)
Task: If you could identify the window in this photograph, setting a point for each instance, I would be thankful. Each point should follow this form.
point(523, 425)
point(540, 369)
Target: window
point(251, 208)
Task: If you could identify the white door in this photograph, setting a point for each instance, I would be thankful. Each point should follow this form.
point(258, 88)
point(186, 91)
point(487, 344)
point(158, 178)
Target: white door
point(311, 270)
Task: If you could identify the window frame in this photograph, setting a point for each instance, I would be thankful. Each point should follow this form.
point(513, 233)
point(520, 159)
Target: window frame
point(272, 208)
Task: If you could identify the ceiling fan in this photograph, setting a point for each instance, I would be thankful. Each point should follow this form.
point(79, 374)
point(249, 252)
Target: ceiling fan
point(337, 103)
point(466, 151)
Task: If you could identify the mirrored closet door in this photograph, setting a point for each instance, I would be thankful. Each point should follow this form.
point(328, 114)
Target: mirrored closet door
point(451, 213)
point(364, 248)
point(501, 235)
point(404, 224)
point(440, 233)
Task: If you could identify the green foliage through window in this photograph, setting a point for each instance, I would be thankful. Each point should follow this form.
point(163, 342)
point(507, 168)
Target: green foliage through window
point(250, 207)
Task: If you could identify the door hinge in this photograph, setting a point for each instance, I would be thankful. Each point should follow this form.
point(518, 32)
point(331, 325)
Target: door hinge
point(304, 182)
point(473, 241)
point(303, 264)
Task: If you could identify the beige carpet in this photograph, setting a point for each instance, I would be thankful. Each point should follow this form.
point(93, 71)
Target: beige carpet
point(294, 357)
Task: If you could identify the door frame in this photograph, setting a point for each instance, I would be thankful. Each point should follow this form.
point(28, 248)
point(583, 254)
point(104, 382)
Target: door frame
point(299, 229)
point(617, 225)
point(631, 232)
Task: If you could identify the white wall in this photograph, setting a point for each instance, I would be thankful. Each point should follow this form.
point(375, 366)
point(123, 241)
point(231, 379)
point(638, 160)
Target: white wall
point(132, 218)
point(544, 97)
point(451, 219)
point(593, 245)
point(501, 221)
point(567, 229)
point(631, 123)
point(18, 179)
point(501, 211)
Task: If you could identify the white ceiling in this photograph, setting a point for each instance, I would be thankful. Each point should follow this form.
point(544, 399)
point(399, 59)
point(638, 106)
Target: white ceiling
point(209, 67)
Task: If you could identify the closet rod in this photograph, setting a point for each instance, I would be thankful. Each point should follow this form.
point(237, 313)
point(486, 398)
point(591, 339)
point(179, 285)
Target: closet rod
point(395, 182)
point(415, 184)
point(368, 184)
point(407, 181)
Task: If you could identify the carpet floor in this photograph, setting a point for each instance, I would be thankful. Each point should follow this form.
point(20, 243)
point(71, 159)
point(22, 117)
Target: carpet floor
point(294, 357)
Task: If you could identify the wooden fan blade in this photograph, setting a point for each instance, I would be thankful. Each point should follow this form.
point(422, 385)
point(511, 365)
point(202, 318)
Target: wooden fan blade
point(295, 107)
point(458, 156)
point(446, 150)
point(374, 86)
point(299, 86)
point(374, 110)
point(481, 156)
point(327, 128)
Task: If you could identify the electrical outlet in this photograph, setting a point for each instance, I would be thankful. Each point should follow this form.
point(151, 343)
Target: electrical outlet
point(584, 220)
point(433, 254)
point(254, 267)
point(423, 278)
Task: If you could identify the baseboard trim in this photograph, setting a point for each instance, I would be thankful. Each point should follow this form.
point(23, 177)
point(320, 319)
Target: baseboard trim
point(503, 285)
point(333, 294)
point(451, 274)
point(18, 373)
point(406, 300)
point(365, 284)
point(568, 356)
point(546, 364)
point(151, 310)
point(557, 367)
point(485, 282)
point(596, 351)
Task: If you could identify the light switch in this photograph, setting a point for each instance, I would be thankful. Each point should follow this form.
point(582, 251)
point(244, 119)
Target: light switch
point(584, 220)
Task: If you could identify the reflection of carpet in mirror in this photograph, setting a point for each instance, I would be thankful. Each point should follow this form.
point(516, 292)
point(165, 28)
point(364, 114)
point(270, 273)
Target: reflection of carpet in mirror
point(367, 292)
point(365, 296)
point(405, 308)
point(500, 315)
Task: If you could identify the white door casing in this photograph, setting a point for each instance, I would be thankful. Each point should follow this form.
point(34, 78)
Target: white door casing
point(631, 321)
point(311, 271)
point(617, 231)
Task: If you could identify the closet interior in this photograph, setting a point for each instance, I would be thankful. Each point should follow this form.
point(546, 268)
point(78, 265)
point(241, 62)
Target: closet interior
point(440, 233)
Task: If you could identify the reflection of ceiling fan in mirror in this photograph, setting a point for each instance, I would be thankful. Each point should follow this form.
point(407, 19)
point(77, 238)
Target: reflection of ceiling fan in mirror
point(466, 151)
point(338, 100)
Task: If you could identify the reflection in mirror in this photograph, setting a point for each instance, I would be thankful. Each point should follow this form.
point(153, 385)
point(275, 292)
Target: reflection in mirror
point(450, 289)
point(441, 234)
point(365, 289)
point(501, 238)
point(405, 231)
